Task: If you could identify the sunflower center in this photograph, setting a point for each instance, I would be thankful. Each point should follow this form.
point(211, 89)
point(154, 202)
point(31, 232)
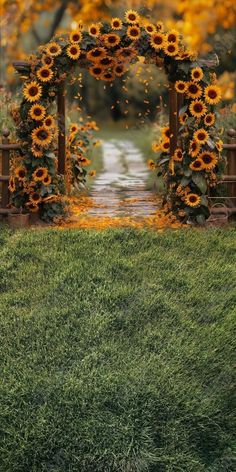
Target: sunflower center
point(21, 173)
point(134, 32)
point(192, 199)
point(158, 39)
point(37, 111)
point(172, 38)
point(111, 39)
point(97, 70)
point(201, 136)
point(116, 24)
point(45, 73)
point(198, 107)
point(181, 86)
point(39, 173)
point(53, 49)
point(42, 135)
point(48, 60)
point(212, 94)
point(93, 30)
point(132, 17)
point(73, 50)
point(207, 158)
point(76, 37)
point(33, 91)
point(193, 88)
point(96, 53)
point(197, 164)
point(171, 48)
point(106, 61)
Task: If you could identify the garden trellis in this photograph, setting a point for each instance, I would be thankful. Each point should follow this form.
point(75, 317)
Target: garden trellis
point(189, 153)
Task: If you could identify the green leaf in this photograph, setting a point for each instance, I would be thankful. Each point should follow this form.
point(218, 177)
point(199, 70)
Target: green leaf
point(201, 219)
point(185, 181)
point(204, 201)
point(200, 182)
point(187, 172)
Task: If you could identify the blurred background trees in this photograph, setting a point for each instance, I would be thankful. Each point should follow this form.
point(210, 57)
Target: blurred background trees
point(207, 25)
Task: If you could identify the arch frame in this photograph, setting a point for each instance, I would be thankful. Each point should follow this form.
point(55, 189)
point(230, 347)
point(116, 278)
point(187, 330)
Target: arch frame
point(187, 188)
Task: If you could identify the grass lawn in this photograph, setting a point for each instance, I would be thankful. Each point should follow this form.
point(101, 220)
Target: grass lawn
point(117, 351)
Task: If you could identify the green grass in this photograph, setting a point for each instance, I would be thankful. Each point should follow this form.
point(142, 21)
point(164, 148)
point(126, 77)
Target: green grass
point(117, 351)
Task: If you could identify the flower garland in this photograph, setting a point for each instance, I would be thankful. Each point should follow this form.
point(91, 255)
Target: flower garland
point(106, 50)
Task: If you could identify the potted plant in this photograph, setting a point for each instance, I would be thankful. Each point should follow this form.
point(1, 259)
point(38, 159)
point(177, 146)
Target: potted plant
point(18, 218)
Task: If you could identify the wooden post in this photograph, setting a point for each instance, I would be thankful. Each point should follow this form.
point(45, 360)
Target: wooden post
point(231, 164)
point(61, 128)
point(5, 169)
point(173, 118)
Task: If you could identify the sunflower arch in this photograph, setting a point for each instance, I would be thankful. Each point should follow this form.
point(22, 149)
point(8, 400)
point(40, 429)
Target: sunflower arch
point(188, 154)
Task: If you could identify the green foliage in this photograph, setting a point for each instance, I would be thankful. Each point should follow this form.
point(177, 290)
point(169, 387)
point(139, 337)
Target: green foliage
point(117, 351)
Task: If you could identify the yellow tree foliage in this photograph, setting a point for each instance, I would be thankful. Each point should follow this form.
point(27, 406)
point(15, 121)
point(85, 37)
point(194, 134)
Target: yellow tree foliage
point(27, 23)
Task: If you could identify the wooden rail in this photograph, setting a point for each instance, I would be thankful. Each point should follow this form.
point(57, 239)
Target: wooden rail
point(6, 147)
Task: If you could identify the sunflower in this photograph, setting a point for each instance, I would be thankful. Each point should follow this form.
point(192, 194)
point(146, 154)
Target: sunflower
point(49, 122)
point(36, 150)
point(151, 164)
point(47, 60)
point(119, 70)
point(94, 29)
point(96, 54)
point(74, 128)
point(12, 185)
point(84, 162)
point(171, 49)
point(165, 146)
point(192, 199)
point(212, 94)
point(41, 136)
point(39, 174)
point(197, 108)
point(116, 23)
point(172, 36)
point(37, 112)
point(108, 76)
point(73, 51)
point(183, 118)
point(111, 39)
point(35, 198)
point(53, 49)
point(178, 155)
point(20, 173)
point(158, 40)
point(126, 54)
point(219, 145)
point(165, 131)
point(132, 17)
point(201, 136)
point(180, 86)
point(156, 146)
point(197, 165)
point(209, 160)
point(160, 26)
point(150, 28)
point(92, 173)
point(194, 148)
point(209, 119)
point(197, 74)
point(133, 32)
point(96, 71)
point(47, 180)
point(44, 74)
point(194, 90)
point(32, 91)
point(107, 61)
point(75, 36)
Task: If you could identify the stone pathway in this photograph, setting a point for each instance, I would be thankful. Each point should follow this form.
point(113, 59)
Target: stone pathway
point(120, 189)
